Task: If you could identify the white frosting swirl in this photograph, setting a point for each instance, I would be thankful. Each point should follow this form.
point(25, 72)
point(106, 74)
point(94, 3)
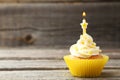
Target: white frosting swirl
point(85, 47)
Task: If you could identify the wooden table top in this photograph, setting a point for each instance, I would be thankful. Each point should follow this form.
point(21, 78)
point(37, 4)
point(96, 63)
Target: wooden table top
point(48, 64)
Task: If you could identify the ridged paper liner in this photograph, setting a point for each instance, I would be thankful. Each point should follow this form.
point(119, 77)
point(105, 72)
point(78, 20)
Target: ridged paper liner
point(85, 67)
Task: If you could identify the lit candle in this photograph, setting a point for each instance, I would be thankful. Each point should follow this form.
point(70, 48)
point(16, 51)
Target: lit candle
point(84, 23)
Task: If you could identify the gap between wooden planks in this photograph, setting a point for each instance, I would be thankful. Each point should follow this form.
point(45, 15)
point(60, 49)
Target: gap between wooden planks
point(36, 54)
point(10, 65)
point(54, 75)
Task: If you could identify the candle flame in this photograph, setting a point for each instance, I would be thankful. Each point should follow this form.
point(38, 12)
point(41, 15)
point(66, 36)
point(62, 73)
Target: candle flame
point(83, 14)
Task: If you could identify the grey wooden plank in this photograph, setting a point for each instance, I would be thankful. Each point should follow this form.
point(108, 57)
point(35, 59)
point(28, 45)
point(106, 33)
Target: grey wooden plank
point(45, 65)
point(110, 74)
point(68, 1)
point(18, 38)
point(53, 1)
point(32, 65)
point(47, 1)
point(32, 53)
point(59, 23)
point(8, 1)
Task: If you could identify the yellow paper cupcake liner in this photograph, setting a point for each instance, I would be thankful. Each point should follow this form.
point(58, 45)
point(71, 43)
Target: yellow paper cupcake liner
point(85, 67)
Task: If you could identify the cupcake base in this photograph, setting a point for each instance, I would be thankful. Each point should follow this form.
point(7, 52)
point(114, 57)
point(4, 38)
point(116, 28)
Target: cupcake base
point(85, 67)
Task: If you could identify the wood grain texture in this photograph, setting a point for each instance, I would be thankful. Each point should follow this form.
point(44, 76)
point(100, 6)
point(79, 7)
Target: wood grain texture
point(64, 1)
point(58, 24)
point(8, 65)
point(44, 54)
point(48, 1)
point(47, 64)
point(8, 1)
point(54, 1)
point(55, 75)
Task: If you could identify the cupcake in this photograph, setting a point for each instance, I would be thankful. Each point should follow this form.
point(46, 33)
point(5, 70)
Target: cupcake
point(86, 59)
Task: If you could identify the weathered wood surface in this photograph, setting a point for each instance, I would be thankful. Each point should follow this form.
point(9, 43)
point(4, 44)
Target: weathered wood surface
point(113, 74)
point(8, 1)
point(34, 54)
point(65, 1)
point(8, 65)
point(53, 1)
point(52, 24)
point(48, 64)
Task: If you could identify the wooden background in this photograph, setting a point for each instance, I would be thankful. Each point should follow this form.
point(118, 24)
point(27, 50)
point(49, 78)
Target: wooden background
point(51, 1)
point(55, 23)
